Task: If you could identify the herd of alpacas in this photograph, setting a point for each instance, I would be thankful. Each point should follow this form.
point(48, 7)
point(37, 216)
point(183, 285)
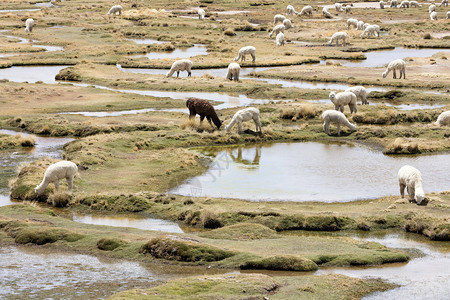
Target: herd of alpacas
point(408, 176)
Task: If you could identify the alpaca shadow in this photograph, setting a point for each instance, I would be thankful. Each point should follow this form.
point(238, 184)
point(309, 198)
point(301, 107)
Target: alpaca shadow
point(251, 132)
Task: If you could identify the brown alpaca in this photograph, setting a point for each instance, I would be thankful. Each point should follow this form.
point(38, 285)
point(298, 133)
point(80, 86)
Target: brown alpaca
point(204, 109)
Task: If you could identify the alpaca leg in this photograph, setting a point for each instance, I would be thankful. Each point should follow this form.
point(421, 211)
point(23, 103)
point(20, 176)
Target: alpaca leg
point(209, 121)
point(411, 192)
point(339, 128)
point(56, 183)
point(345, 43)
point(326, 127)
point(201, 120)
point(395, 75)
point(402, 190)
point(69, 183)
point(178, 74)
point(253, 58)
point(239, 127)
point(341, 108)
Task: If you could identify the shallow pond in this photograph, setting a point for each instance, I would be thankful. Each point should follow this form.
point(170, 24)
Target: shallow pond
point(146, 41)
point(129, 221)
point(333, 172)
point(177, 53)
point(18, 10)
point(32, 74)
point(382, 57)
point(425, 277)
point(40, 273)
point(397, 106)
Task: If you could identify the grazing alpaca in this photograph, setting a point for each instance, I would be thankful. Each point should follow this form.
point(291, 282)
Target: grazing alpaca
point(334, 116)
point(204, 109)
point(243, 115)
point(411, 178)
point(443, 119)
point(55, 172)
point(398, 64)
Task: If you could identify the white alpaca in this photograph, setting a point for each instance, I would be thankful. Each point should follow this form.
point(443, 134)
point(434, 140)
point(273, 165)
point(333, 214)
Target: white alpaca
point(233, 71)
point(360, 92)
point(290, 10)
point(307, 10)
point(180, 65)
point(338, 7)
point(115, 9)
point(29, 23)
point(398, 64)
point(443, 119)
point(360, 25)
point(411, 178)
point(393, 4)
point(338, 36)
point(404, 4)
point(336, 117)
point(201, 14)
point(278, 19)
point(341, 99)
point(365, 26)
point(244, 51)
point(280, 39)
point(352, 22)
point(277, 29)
point(448, 14)
point(55, 172)
point(431, 8)
point(326, 13)
point(348, 8)
point(382, 4)
point(443, 3)
point(287, 24)
point(371, 30)
point(243, 115)
point(414, 4)
point(433, 16)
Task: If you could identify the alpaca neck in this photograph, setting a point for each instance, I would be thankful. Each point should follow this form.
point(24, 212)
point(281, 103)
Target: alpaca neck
point(233, 121)
point(418, 188)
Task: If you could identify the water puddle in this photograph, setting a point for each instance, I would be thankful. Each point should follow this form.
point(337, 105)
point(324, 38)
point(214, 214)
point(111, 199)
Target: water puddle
point(397, 106)
point(426, 277)
point(22, 40)
point(177, 53)
point(333, 172)
point(382, 57)
point(49, 48)
point(25, 274)
point(228, 101)
point(146, 41)
point(18, 10)
point(31, 74)
point(130, 221)
point(44, 4)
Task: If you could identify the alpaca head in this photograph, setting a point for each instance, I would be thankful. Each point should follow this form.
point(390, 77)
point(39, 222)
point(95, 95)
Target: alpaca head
point(384, 74)
point(37, 190)
point(332, 95)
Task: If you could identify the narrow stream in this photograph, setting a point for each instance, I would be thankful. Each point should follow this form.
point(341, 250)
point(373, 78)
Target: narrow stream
point(196, 50)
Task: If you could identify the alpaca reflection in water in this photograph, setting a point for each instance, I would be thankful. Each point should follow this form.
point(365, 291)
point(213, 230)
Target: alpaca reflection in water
point(239, 159)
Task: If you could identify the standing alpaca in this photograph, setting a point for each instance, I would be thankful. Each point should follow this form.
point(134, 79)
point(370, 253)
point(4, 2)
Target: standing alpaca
point(243, 115)
point(233, 71)
point(29, 23)
point(398, 64)
point(411, 178)
point(360, 92)
point(180, 65)
point(341, 99)
point(55, 172)
point(443, 119)
point(338, 36)
point(115, 9)
point(201, 14)
point(333, 116)
point(204, 109)
point(246, 50)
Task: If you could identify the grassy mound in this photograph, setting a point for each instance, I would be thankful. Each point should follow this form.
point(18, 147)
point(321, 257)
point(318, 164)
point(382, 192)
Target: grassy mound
point(243, 231)
point(284, 263)
point(172, 248)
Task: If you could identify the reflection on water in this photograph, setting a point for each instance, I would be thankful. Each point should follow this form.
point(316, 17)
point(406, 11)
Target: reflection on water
point(40, 273)
point(177, 53)
point(129, 221)
point(310, 172)
point(382, 57)
point(32, 74)
point(426, 277)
